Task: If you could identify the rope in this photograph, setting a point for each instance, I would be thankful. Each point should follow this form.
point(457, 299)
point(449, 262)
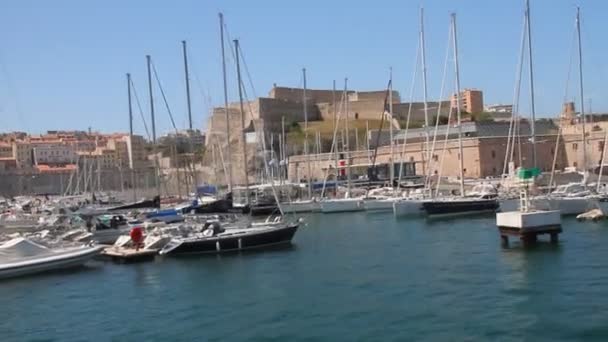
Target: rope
point(141, 112)
point(162, 92)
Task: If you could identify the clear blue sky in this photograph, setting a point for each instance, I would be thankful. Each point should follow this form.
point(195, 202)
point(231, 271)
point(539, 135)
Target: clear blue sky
point(63, 62)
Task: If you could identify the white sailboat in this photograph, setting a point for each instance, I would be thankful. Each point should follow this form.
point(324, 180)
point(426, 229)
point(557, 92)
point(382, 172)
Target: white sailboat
point(347, 203)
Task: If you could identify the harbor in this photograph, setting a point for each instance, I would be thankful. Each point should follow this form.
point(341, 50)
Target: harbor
point(406, 279)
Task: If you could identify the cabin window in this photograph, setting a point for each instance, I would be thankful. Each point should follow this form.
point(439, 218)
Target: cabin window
point(493, 154)
point(575, 146)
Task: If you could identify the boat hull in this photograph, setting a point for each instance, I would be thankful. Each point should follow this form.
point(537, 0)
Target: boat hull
point(236, 242)
point(52, 263)
point(566, 205)
point(301, 207)
point(408, 208)
point(460, 207)
point(341, 205)
point(378, 204)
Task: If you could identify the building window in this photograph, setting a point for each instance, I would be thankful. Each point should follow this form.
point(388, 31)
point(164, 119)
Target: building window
point(464, 170)
point(600, 146)
point(494, 170)
point(552, 151)
point(435, 157)
point(493, 154)
point(412, 159)
point(575, 164)
point(575, 146)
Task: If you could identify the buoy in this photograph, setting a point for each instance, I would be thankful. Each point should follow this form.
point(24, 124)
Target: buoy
point(136, 236)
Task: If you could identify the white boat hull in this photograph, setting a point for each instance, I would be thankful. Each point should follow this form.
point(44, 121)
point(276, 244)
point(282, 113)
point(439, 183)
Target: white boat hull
point(566, 205)
point(407, 207)
point(341, 205)
point(384, 204)
point(301, 207)
point(49, 263)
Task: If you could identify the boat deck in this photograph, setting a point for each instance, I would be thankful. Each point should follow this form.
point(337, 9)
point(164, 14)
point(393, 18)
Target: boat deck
point(129, 255)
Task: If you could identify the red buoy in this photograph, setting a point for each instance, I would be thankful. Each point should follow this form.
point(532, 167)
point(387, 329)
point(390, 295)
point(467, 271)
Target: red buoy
point(136, 236)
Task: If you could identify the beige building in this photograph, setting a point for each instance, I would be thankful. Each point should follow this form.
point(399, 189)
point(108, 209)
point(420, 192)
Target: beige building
point(471, 101)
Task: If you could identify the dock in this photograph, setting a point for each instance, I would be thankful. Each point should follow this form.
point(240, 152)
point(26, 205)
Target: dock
point(527, 226)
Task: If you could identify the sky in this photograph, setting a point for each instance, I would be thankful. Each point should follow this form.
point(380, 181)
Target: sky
point(63, 62)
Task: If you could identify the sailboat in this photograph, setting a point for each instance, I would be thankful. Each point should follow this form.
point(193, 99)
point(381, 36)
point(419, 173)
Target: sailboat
point(347, 203)
point(310, 204)
point(411, 205)
point(572, 198)
point(463, 205)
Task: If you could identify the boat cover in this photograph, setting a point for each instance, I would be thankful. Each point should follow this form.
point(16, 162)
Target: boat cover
point(19, 248)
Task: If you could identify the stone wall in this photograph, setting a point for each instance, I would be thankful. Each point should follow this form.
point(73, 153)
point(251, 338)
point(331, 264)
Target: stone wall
point(297, 94)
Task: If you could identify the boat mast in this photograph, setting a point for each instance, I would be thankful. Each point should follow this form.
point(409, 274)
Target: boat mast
point(458, 110)
point(580, 74)
point(531, 71)
point(156, 181)
point(243, 135)
point(308, 176)
point(602, 161)
point(229, 156)
point(282, 152)
point(390, 109)
point(336, 124)
point(130, 145)
point(424, 86)
point(347, 138)
point(189, 103)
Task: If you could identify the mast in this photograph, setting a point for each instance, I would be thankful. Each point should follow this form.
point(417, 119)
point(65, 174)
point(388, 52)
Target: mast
point(335, 142)
point(156, 181)
point(582, 100)
point(458, 110)
point(306, 135)
point(424, 86)
point(282, 152)
point(189, 104)
point(184, 49)
point(130, 145)
point(390, 109)
point(531, 71)
point(602, 161)
point(243, 136)
point(347, 138)
point(226, 103)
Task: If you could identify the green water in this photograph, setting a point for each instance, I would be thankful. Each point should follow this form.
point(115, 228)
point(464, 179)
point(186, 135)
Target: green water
point(348, 277)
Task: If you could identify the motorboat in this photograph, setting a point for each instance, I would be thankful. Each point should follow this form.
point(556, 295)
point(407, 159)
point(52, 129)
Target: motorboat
point(19, 257)
point(214, 239)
